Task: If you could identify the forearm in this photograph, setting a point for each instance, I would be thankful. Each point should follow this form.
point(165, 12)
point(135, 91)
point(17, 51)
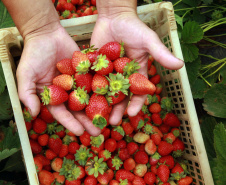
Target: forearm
point(32, 17)
point(114, 7)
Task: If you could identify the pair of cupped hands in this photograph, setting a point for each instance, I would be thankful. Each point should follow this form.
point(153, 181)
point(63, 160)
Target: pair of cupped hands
point(44, 48)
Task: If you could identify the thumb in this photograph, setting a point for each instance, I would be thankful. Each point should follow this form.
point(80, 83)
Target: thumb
point(27, 90)
point(161, 53)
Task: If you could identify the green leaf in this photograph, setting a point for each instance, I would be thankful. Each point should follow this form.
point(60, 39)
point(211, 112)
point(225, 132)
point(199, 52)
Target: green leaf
point(207, 127)
point(193, 70)
point(6, 111)
point(2, 80)
point(192, 3)
point(207, 1)
point(5, 18)
point(179, 20)
point(190, 52)
point(15, 163)
point(198, 17)
point(220, 141)
point(7, 152)
point(199, 88)
point(223, 74)
point(192, 32)
point(218, 171)
point(215, 101)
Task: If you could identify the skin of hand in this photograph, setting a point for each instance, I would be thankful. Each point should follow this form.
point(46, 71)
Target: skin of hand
point(45, 43)
point(139, 42)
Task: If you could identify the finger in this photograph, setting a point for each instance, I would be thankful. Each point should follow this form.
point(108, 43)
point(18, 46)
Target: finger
point(160, 52)
point(136, 103)
point(63, 116)
point(27, 91)
point(87, 123)
point(118, 111)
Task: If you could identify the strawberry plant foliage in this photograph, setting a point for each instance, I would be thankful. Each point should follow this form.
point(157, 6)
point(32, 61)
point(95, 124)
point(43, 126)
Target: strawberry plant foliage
point(5, 108)
point(2, 80)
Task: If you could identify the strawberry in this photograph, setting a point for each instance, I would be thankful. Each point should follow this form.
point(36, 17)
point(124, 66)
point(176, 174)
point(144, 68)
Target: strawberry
point(28, 126)
point(36, 148)
point(33, 135)
point(137, 121)
point(138, 181)
point(73, 182)
point(39, 126)
point(117, 133)
point(65, 66)
point(150, 61)
point(97, 109)
point(121, 144)
point(152, 71)
point(60, 131)
point(124, 174)
point(88, 11)
point(149, 178)
point(69, 6)
point(55, 143)
point(153, 160)
point(185, 181)
point(175, 131)
point(59, 7)
point(141, 85)
point(178, 148)
point(56, 164)
point(132, 147)
point(171, 120)
point(106, 133)
point(54, 95)
point(82, 155)
point(84, 80)
point(129, 164)
point(78, 99)
point(85, 138)
point(158, 88)
point(100, 84)
point(38, 164)
point(44, 160)
point(140, 170)
point(164, 128)
point(27, 115)
point(102, 65)
point(77, 172)
point(50, 154)
point(141, 137)
point(105, 154)
point(63, 151)
point(80, 62)
point(89, 180)
point(43, 139)
point(170, 138)
point(72, 147)
point(74, 2)
point(141, 157)
point(156, 118)
point(168, 160)
point(156, 138)
point(91, 166)
point(91, 53)
point(155, 108)
point(46, 177)
point(127, 127)
point(165, 148)
point(163, 172)
point(117, 98)
point(150, 147)
point(167, 104)
point(123, 154)
point(59, 178)
point(120, 63)
point(93, 2)
point(112, 50)
point(110, 144)
point(45, 115)
point(64, 81)
point(155, 79)
point(177, 172)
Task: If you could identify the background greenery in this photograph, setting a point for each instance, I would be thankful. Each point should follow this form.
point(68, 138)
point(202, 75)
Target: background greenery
point(202, 32)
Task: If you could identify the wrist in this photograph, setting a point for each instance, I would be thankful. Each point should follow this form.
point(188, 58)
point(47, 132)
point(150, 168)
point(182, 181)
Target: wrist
point(113, 8)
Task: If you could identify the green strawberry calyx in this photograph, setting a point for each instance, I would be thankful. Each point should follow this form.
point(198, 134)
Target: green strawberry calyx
point(120, 130)
point(51, 127)
point(140, 124)
point(96, 166)
point(100, 63)
point(177, 153)
point(83, 67)
point(148, 129)
point(45, 95)
point(102, 90)
point(130, 68)
point(118, 83)
point(123, 182)
point(91, 49)
point(99, 121)
point(97, 141)
point(66, 167)
point(27, 115)
point(177, 176)
point(116, 162)
point(122, 50)
point(107, 154)
point(167, 104)
point(145, 109)
point(74, 173)
point(82, 155)
point(82, 95)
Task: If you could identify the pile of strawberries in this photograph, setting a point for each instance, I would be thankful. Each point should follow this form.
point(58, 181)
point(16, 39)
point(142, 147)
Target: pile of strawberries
point(75, 8)
point(139, 150)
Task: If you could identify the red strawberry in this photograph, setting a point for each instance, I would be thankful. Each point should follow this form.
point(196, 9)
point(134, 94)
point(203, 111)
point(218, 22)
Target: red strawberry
point(59, 178)
point(149, 178)
point(168, 160)
point(117, 133)
point(141, 85)
point(155, 79)
point(105, 154)
point(132, 147)
point(106, 133)
point(123, 154)
point(85, 138)
point(91, 53)
point(185, 181)
point(80, 62)
point(152, 71)
point(153, 160)
point(38, 164)
point(150, 147)
point(158, 88)
point(55, 143)
point(129, 164)
point(89, 180)
point(73, 182)
point(117, 98)
point(72, 147)
point(43, 139)
point(54, 95)
point(46, 177)
point(165, 148)
point(156, 138)
point(178, 148)
point(60, 131)
point(84, 80)
point(64, 81)
point(74, 2)
point(156, 118)
point(120, 63)
point(121, 144)
point(93, 2)
point(44, 160)
point(63, 151)
point(124, 174)
point(170, 138)
point(65, 66)
point(100, 84)
point(137, 121)
point(138, 181)
point(35, 147)
point(78, 172)
point(141, 157)
point(110, 145)
point(171, 120)
point(164, 128)
point(69, 6)
point(28, 126)
point(56, 164)
point(127, 127)
point(177, 172)
point(163, 172)
point(97, 109)
point(45, 115)
point(112, 50)
point(102, 65)
point(155, 108)
point(78, 99)
point(50, 154)
point(39, 126)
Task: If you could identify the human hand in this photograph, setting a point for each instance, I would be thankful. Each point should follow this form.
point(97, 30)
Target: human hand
point(122, 24)
point(37, 68)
